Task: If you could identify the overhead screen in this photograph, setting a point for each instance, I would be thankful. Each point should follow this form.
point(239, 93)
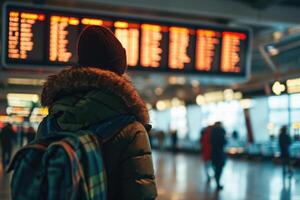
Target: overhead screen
point(37, 36)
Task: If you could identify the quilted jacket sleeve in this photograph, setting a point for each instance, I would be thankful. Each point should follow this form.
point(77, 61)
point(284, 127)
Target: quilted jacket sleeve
point(129, 165)
point(137, 174)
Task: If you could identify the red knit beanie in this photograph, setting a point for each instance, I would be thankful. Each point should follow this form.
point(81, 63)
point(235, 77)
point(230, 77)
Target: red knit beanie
point(98, 47)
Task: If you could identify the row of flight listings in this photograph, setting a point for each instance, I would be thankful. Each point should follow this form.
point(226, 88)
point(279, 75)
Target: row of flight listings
point(37, 36)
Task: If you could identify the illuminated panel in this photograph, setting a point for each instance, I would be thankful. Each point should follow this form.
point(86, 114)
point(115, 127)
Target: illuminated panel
point(293, 85)
point(24, 40)
point(208, 50)
point(180, 47)
point(40, 37)
point(63, 34)
point(96, 22)
point(153, 43)
point(90, 21)
point(232, 59)
point(128, 34)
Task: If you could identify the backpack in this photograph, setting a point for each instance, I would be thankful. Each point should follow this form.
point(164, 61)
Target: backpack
point(62, 165)
point(65, 166)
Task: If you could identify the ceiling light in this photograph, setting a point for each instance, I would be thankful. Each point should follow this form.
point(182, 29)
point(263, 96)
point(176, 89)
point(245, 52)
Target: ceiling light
point(200, 100)
point(158, 91)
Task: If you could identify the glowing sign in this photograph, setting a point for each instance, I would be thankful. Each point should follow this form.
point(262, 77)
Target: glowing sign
point(22, 100)
point(180, 43)
point(19, 111)
point(44, 37)
point(208, 50)
point(278, 88)
point(88, 21)
point(152, 45)
point(217, 96)
point(11, 119)
point(62, 31)
point(293, 85)
point(24, 97)
point(231, 48)
point(23, 43)
point(128, 34)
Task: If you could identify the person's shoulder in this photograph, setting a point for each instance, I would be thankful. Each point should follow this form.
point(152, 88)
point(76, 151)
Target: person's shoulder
point(129, 132)
point(134, 128)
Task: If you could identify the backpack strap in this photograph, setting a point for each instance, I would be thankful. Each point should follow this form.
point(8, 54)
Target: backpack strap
point(110, 127)
point(104, 130)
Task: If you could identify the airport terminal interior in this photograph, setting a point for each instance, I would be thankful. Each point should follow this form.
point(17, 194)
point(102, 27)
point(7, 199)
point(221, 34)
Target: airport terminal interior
point(199, 65)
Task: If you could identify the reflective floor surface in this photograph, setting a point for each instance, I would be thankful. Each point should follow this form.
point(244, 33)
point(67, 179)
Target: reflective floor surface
point(181, 177)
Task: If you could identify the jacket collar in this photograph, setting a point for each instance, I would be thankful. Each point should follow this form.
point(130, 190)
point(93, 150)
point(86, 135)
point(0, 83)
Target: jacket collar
point(75, 79)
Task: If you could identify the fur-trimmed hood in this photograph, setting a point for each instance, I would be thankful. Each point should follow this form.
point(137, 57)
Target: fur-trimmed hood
point(76, 79)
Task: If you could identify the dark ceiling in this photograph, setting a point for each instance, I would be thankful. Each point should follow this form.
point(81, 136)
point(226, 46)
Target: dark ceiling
point(264, 4)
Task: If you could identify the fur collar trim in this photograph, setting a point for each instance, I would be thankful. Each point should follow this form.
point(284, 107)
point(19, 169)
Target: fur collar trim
point(75, 78)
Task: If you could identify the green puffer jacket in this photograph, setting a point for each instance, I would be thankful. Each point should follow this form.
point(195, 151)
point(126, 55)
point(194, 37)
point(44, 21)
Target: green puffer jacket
point(82, 97)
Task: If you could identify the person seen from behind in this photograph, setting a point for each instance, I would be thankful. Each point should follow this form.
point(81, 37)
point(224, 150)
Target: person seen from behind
point(218, 156)
point(98, 92)
point(284, 144)
point(96, 102)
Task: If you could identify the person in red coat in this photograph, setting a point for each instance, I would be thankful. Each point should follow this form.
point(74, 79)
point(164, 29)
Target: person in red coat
point(206, 150)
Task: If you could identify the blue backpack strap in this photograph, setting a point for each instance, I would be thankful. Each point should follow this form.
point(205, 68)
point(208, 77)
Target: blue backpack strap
point(110, 127)
point(103, 130)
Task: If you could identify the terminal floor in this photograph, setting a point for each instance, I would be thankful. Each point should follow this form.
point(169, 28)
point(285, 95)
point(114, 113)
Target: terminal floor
point(181, 177)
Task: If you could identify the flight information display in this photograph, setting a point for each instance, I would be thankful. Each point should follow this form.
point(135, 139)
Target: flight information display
point(208, 48)
point(63, 31)
point(128, 34)
point(232, 44)
point(23, 42)
point(181, 48)
point(153, 46)
point(38, 36)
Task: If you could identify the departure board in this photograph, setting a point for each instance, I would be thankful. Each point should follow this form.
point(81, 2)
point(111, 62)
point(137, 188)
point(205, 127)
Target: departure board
point(38, 36)
point(128, 34)
point(63, 31)
point(181, 48)
point(154, 46)
point(208, 47)
point(23, 42)
point(232, 59)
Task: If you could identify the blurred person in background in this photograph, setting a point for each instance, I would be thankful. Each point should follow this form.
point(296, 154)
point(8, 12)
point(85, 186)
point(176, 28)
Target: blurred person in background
point(235, 135)
point(174, 139)
point(151, 135)
point(234, 140)
point(6, 138)
point(218, 156)
point(30, 134)
point(284, 144)
point(160, 135)
point(206, 150)
point(20, 135)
